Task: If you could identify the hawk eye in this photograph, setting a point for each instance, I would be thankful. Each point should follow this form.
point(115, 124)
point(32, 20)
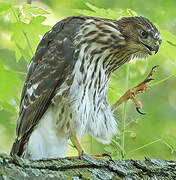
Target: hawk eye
point(144, 34)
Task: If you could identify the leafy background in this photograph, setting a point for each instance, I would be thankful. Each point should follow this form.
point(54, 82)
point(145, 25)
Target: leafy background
point(22, 26)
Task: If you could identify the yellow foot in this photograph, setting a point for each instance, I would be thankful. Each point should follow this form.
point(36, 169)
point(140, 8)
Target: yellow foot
point(76, 142)
point(131, 93)
point(95, 156)
point(102, 156)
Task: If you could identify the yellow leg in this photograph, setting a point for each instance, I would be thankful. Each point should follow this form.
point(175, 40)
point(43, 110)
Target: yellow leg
point(76, 142)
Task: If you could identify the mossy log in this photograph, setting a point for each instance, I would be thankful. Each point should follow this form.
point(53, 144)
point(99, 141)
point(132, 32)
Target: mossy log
point(85, 168)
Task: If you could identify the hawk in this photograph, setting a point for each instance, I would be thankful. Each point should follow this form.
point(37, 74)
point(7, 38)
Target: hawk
point(65, 92)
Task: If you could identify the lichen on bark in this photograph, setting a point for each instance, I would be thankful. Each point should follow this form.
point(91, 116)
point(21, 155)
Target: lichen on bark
point(85, 168)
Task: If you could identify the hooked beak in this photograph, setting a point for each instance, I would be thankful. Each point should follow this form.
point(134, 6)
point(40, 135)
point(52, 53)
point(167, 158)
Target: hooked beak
point(154, 48)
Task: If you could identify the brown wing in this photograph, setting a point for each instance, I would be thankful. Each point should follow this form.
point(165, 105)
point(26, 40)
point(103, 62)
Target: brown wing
point(49, 67)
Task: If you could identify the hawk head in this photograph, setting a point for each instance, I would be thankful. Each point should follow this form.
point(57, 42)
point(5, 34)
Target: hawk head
point(141, 35)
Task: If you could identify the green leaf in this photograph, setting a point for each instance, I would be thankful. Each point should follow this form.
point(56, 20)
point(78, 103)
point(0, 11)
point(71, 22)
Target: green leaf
point(105, 13)
point(23, 53)
point(10, 85)
point(168, 46)
point(25, 13)
point(29, 12)
point(13, 13)
point(34, 29)
point(26, 36)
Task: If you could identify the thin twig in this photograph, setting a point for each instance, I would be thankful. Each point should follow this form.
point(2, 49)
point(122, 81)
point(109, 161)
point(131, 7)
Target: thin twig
point(145, 145)
point(124, 113)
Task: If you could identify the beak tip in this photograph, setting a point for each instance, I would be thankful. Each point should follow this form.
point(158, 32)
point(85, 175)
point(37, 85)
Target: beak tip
point(156, 49)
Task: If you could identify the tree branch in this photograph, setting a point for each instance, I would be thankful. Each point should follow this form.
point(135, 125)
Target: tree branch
point(85, 168)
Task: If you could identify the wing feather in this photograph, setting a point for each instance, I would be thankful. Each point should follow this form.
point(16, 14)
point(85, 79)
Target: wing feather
point(49, 67)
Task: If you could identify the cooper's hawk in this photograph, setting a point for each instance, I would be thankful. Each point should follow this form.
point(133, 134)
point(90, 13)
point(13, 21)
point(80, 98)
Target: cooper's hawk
point(65, 92)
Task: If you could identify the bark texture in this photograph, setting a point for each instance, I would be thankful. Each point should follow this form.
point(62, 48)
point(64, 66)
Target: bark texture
point(85, 168)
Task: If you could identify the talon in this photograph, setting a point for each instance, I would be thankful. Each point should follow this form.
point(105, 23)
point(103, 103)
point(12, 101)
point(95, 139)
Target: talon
point(112, 160)
point(131, 93)
point(148, 80)
point(107, 155)
point(155, 67)
point(137, 109)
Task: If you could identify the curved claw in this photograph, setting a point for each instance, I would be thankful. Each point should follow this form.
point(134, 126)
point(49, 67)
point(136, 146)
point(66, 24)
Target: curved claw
point(107, 155)
point(137, 109)
point(148, 80)
point(155, 67)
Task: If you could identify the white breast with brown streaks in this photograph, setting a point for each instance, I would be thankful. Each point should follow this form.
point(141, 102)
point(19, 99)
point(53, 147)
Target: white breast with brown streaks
point(80, 105)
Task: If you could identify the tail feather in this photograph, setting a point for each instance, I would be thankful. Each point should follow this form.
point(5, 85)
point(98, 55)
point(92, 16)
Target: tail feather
point(20, 144)
point(18, 147)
